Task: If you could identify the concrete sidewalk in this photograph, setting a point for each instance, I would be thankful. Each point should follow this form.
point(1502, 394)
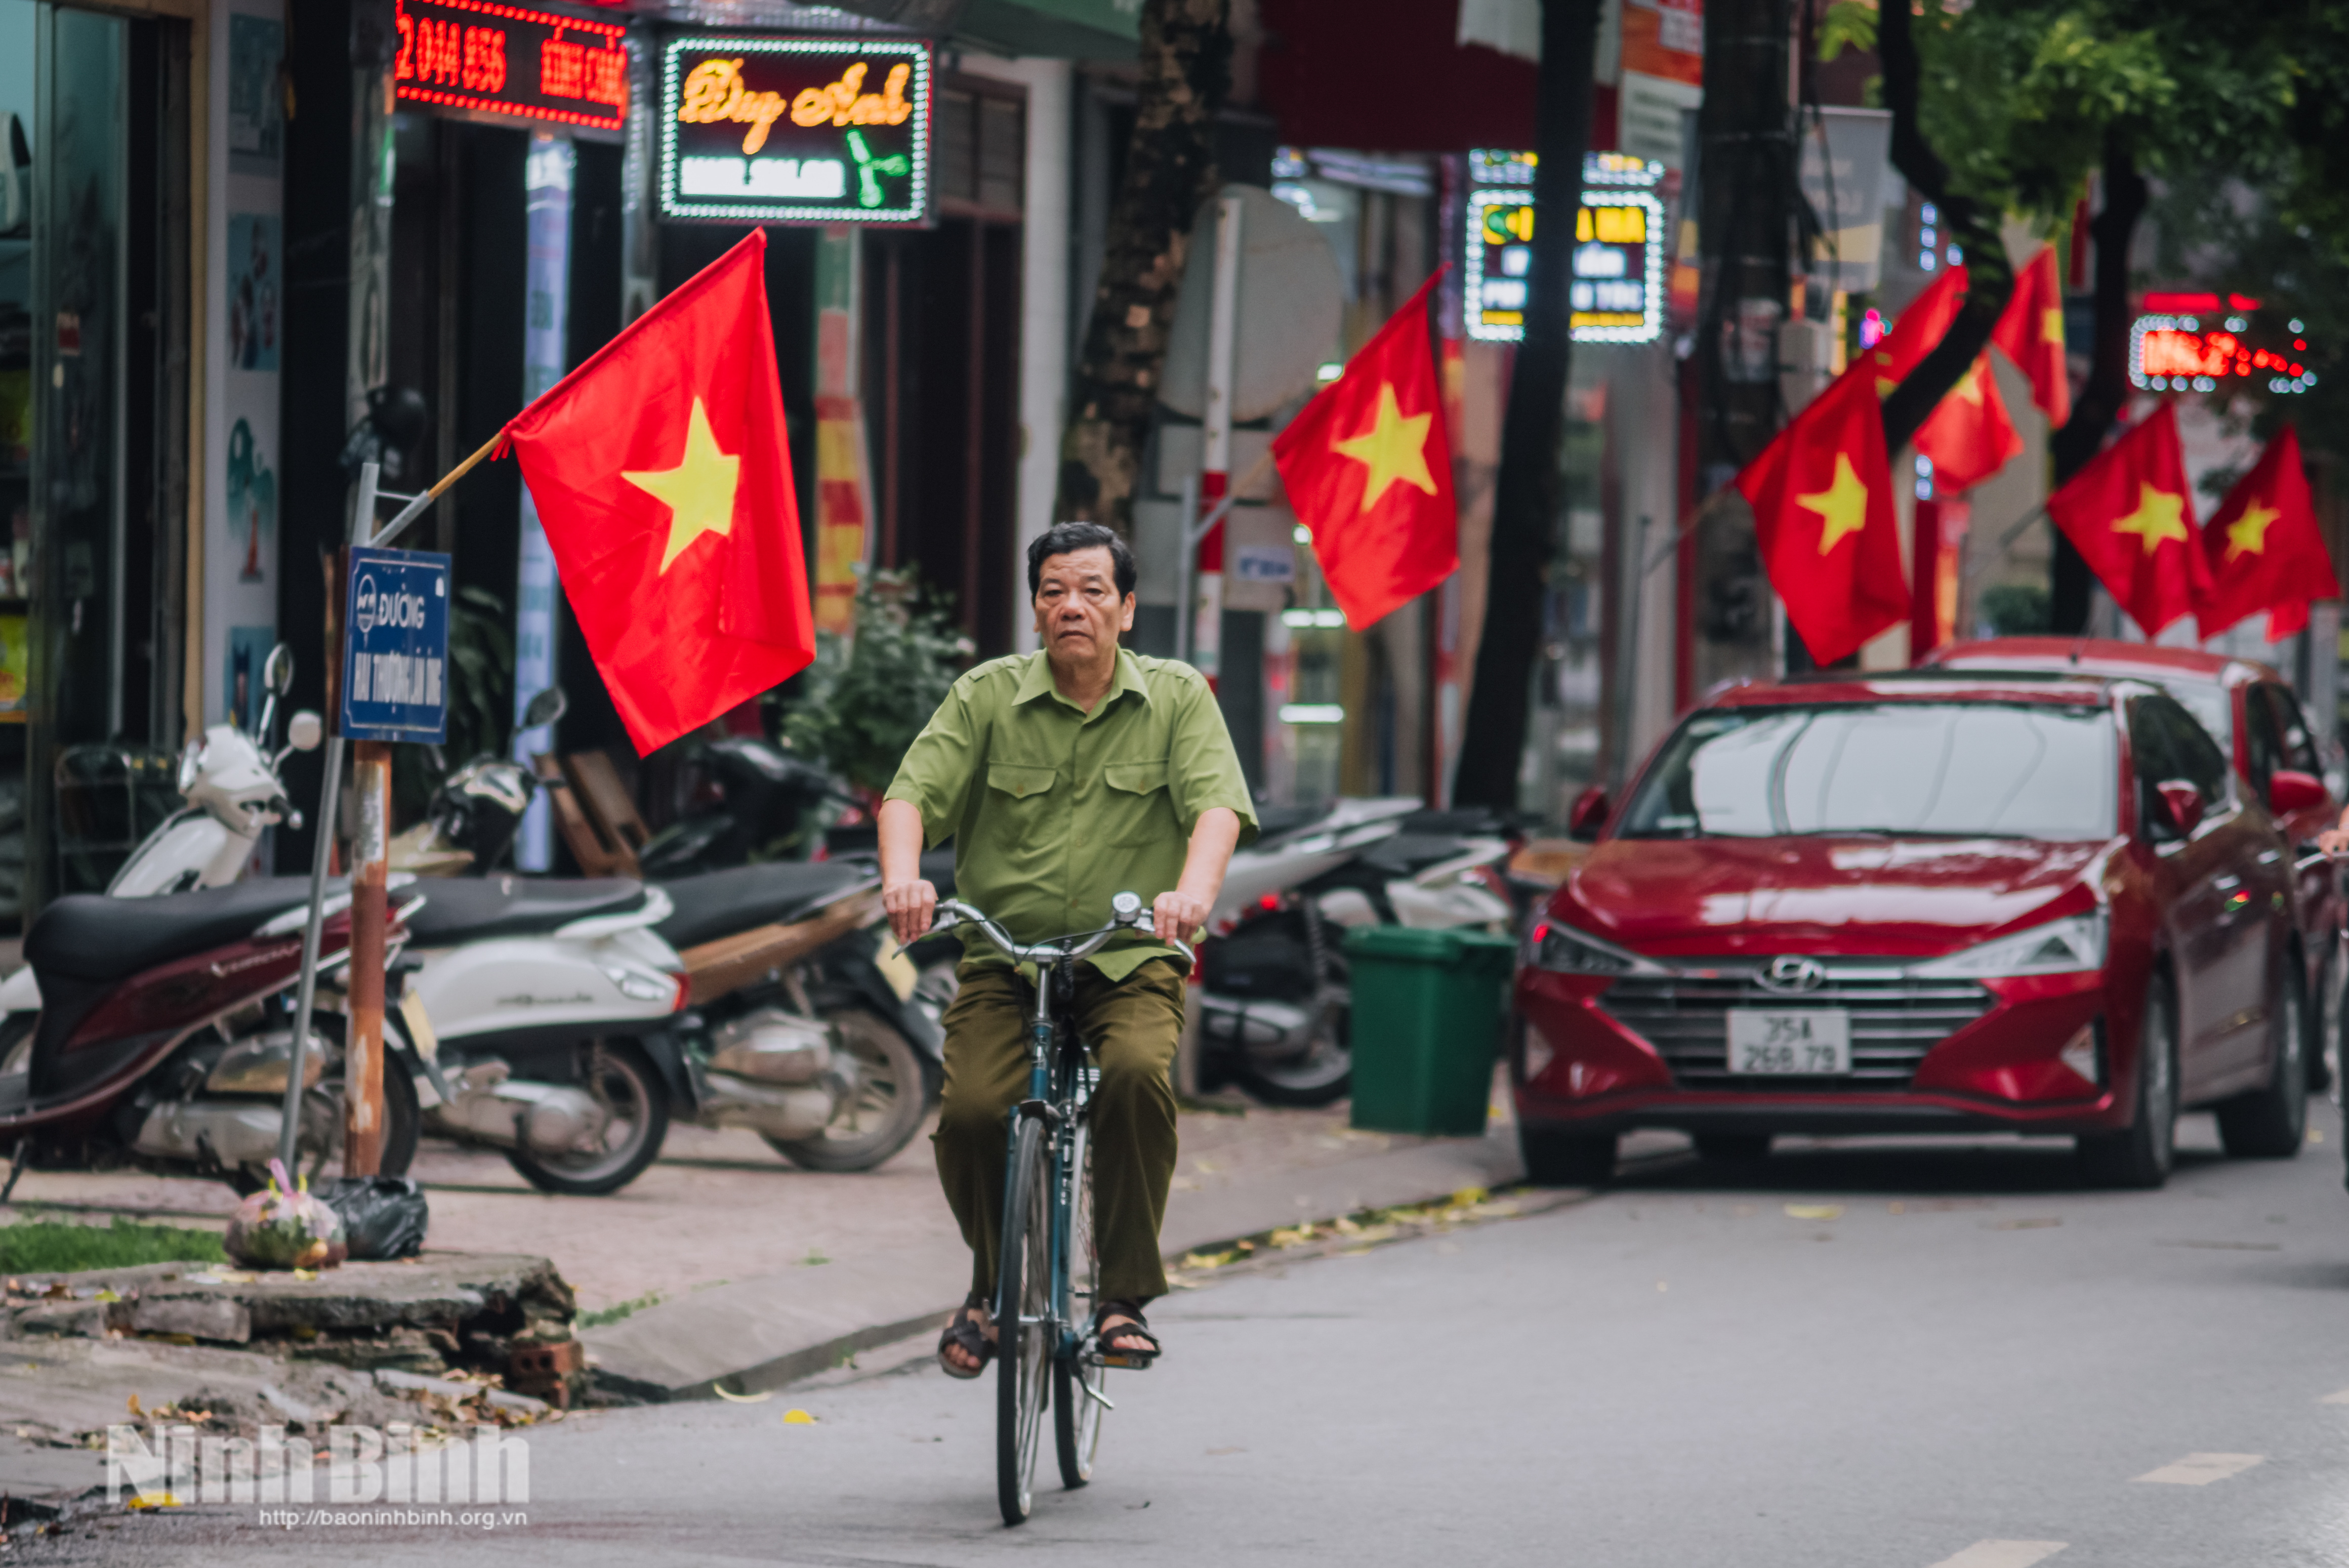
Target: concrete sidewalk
point(724, 1264)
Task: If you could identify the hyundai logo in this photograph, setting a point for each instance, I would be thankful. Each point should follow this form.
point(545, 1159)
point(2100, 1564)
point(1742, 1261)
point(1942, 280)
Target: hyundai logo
point(1794, 975)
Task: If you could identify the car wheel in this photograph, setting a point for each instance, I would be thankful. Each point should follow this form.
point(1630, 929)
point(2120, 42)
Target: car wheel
point(2141, 1154)
point(1731, 1148)
point(1554, 1158)
point(2271, 1123)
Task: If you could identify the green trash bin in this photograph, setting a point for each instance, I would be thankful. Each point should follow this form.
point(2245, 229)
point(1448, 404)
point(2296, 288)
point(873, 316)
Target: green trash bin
point(1425, 1019)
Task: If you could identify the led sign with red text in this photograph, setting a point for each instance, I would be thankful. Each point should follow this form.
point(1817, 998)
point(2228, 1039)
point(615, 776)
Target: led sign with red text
point(492, 59)
point(2204, 342)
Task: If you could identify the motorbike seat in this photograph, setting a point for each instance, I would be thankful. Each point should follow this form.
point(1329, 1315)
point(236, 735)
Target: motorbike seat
point(473, 909)
point(93, 937)
point(722, 904)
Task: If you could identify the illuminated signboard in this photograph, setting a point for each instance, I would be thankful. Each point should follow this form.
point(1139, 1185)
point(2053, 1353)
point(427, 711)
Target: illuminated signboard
point(2196, 343)
point(1617, 295)
point(490, 59)
point(795, 130)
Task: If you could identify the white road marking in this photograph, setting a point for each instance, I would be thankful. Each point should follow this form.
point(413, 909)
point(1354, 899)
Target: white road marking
point(2340, 1399)
point(2201, 1469)
point(2003, 1554)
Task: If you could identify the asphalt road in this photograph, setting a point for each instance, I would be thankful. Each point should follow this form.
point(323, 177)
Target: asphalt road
point(1894, 1356)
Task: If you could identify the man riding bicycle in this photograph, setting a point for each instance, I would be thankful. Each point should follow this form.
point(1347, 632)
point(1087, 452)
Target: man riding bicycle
point(1065, 777)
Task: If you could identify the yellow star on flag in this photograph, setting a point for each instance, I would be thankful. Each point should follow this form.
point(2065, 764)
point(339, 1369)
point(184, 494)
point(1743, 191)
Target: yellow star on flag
point(2051, 327)
point(1971, 387)
point(1395, 448)
point(2248, 534)
point(700, 490)
point(1842, 506)
point(2160, 515)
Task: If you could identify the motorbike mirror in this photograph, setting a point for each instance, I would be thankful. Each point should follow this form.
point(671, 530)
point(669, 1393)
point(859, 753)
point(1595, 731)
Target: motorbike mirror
point(545, 708)
point(277, 673)
point(192, 760)
point(2290, 790)
point(2183, 802)
point(1587, 815)
point(304, 730)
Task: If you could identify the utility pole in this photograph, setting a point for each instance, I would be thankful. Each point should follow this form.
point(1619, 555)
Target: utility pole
point(1747, 197)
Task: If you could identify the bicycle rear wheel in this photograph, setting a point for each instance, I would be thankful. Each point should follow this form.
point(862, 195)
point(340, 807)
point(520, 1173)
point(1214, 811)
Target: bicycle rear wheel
point(1023, 1316)
point(1078, 1401)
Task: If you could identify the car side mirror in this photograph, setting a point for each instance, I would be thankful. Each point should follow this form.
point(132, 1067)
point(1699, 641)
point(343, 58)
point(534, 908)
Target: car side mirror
point(304, 730)
point(1587, 815)
point(2290, 791)
point(2184, 803)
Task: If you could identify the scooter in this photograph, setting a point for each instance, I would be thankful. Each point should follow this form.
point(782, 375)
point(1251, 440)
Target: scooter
point(230, 783)
point(167, 1040)
point(766, 798)
point(802, 1023)
point(1274, 998)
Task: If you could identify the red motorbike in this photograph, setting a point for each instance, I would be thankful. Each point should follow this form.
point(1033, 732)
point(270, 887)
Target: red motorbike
point(164, 1036)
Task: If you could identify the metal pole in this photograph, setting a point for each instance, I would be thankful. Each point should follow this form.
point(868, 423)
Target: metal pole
point(362, 530)
point(1627, 656)
point(1187, 543)
point(1215, 435)
point(363, 1129)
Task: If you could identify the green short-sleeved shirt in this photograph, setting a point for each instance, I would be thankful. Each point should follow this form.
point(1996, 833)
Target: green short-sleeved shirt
point(1054, 810)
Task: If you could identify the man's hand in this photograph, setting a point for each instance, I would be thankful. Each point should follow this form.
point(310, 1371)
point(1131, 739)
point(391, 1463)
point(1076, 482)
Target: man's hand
point(912, 906)
point(1178, 915)
point(2333, 840)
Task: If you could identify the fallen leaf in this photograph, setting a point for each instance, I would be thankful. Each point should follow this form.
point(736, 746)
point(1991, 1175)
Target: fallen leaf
point(1896, 1208)
point(2315, 1134)
point(1661, 1286)
point(161, 1500)
point(759, 1398)
point(797, 1418)
point(1815, 1210)
point(1466, 1198)
point(131, 1404)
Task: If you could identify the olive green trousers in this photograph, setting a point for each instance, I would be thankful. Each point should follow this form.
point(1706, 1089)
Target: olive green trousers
point(1133, 1027)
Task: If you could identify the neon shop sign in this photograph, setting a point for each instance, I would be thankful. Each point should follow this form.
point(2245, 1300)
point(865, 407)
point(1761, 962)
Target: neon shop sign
point(483, 57)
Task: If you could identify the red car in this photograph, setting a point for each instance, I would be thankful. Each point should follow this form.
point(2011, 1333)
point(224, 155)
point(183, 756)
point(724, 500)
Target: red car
point(1932, 902)
point(2251, 711)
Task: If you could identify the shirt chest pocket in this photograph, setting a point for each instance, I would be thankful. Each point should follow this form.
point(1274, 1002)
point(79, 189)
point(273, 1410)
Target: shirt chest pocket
point(1019, 795)
point(1136, 809)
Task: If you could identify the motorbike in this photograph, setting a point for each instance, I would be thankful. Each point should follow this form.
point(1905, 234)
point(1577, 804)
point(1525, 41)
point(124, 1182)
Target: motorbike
point(766, 799)
point(782, 1007)
point(1274, 999)
point(230, 782)
point(166, 1041)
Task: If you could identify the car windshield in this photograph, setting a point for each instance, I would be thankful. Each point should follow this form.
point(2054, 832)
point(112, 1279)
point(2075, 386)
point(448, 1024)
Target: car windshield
point(2212, 706)
point(1953, 770)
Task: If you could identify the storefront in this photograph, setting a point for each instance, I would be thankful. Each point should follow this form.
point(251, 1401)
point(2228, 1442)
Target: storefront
point(98, 204)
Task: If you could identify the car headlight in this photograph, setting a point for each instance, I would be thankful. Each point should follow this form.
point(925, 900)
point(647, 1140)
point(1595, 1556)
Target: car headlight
point(1562, 948)
point(2059, 947)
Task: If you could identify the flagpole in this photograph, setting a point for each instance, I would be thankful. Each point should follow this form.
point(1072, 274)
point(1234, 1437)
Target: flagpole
point(416, 504)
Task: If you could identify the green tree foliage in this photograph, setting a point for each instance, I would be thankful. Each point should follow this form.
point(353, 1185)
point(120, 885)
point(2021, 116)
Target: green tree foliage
point(863, 701)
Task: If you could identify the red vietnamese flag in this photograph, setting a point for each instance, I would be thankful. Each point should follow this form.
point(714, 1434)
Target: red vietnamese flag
point(1967, 437)
point(1822, 497)
point(1919, 329)
point(2263, 548)
point(1369, 471)
point(2030, 331)
point(662, 473)
point(2131, 516)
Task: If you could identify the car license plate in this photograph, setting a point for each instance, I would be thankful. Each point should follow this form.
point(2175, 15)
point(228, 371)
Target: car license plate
point(1812, 1040)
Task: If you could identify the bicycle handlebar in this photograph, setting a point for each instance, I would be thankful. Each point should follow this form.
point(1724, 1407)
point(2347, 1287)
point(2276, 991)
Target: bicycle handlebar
point(1130, 915)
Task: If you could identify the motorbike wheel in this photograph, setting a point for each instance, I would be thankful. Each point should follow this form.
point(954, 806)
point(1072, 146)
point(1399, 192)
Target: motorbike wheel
point(884, 1112)
point(403, 1121)
point(624, 1080)
point(1320, 1075)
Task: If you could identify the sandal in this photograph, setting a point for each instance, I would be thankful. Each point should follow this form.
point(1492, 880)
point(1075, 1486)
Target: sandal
point(1135, 1328)
point(969, 1334)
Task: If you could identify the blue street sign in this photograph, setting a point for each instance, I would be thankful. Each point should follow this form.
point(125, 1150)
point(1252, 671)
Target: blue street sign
point(395, 645)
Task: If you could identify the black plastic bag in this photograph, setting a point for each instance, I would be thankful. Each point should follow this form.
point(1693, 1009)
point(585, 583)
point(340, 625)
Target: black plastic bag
point(383, 1216)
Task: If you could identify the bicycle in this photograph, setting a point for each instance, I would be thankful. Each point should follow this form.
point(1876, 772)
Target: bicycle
point(1049, 1255)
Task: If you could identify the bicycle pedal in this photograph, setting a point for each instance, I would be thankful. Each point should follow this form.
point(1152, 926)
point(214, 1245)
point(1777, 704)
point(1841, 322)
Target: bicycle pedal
point(1129, 1363)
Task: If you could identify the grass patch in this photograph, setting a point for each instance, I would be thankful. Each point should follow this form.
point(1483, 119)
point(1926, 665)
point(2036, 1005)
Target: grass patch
point(620, 1309)
point(57, 1246)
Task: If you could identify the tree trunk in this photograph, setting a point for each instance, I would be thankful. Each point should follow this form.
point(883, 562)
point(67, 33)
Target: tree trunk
point(1170, 169)
point(1527, 491)
point(2107, 388)
point(1990, 276)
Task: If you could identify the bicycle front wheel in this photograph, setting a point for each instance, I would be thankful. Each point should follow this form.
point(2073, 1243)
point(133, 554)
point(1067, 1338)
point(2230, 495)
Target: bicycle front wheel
point(1078, 1401)
point(1023, 1316)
